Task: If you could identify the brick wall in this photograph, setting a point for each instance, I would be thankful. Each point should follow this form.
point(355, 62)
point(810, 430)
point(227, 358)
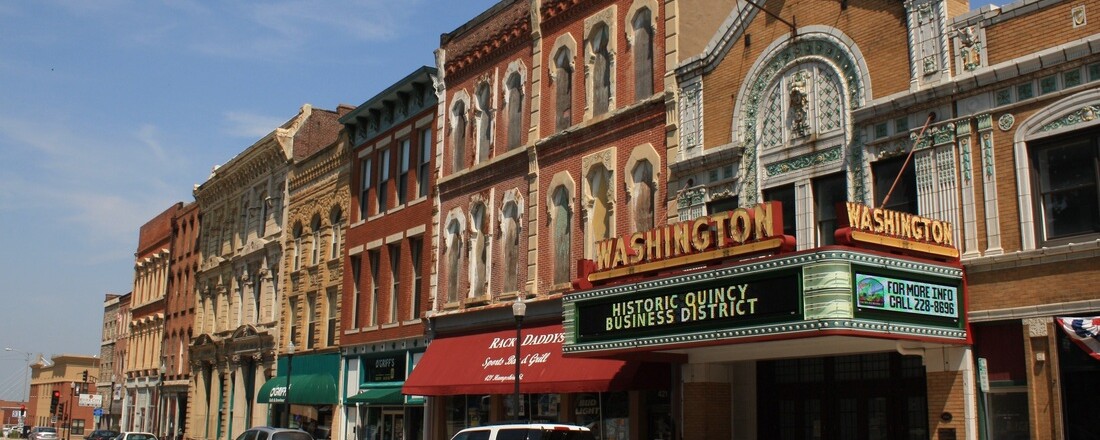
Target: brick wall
point(709, 416)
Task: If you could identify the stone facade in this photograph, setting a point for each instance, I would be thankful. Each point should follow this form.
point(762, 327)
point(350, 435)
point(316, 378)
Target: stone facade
point(141, 403)
point(237, 315)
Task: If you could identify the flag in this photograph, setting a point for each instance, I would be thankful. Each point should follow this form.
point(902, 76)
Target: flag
point(1085, 332)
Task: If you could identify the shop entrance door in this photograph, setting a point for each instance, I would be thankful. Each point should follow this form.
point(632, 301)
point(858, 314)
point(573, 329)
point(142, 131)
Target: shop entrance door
point(867, 397)
point(393, 425)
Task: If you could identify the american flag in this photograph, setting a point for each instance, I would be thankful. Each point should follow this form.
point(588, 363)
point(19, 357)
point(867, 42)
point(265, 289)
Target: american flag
point(1085, 332)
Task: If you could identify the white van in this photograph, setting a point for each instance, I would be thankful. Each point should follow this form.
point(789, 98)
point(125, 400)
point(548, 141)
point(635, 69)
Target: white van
point(525, 431)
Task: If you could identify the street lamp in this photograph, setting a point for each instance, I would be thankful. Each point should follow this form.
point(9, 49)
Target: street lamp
point(286, 397)
point(519, 309)
point(27, 365)
point(158, 422)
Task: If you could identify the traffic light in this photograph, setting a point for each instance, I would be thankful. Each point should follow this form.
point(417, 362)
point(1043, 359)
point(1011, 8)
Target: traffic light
point(61, 410)
point(53, 401)
point(85, 376)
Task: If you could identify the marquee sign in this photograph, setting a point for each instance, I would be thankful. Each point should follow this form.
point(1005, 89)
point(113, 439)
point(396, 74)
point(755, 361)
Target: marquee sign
point(895, 230)
point(726, 303)
point(737, 233)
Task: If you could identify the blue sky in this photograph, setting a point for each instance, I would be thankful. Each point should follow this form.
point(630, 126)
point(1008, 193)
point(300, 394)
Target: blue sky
point(111, 110)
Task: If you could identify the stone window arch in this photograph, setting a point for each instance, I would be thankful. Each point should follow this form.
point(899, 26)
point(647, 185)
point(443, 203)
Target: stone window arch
point(599, 65)
point(562, 67)
point(454, 238)
point(515, 80)
point(479, 243)
point(511, 237)
point(1056, 177)
point(560, 208)
point(796, 108)
point(641, 177)
point(598, 192)
point(641, 28)
point(458, 124)
point(484, 121)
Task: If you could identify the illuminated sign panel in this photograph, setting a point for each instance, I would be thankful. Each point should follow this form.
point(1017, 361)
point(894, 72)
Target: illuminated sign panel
point(721, 304)
point(895, 298)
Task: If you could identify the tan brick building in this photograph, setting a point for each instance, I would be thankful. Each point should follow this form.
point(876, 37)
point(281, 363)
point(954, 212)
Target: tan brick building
point(237, 331)
point(141, 406)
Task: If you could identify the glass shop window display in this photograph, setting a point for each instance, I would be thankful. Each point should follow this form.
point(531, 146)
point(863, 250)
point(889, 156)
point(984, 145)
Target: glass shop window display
point(606, 414)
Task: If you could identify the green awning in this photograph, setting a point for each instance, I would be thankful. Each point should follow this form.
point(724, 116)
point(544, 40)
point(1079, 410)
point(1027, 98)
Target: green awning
point(306, 389)
point(379, 396)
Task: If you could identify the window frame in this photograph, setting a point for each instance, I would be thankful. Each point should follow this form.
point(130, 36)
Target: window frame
point(403, 161)
point(1036, 154)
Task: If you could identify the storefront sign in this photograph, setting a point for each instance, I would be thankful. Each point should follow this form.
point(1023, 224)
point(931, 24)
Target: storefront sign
point(899, 224)
point(728, 303)
point(904, 296)
point(722, 230)
point(388, 368)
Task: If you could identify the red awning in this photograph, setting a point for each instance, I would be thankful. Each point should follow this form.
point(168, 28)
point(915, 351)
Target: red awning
point(483, 364)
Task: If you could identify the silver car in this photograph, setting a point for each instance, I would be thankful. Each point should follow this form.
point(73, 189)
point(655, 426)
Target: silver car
point(42, 433)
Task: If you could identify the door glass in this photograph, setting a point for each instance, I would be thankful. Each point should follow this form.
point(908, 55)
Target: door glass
point(876, 418)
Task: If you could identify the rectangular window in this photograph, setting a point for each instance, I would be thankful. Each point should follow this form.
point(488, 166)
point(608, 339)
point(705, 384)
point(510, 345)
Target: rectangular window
point(311, 319)
point(334, 249)
point(828, 191)
point(364, 188)
point(357, 277)
point(423, 171)
point(293, 336)
point(297, 257)
point(415, 251)
point(315, 256)
point(373, 257)
point(904, 197)
point(403, 171)
point(1067, 176)
point(395, 280)
point(330, 333)
point(383, 180)
point(785, 196)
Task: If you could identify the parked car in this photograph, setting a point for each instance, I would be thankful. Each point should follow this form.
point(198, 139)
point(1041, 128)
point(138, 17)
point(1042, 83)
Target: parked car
point(102, 434)
point(273, 433)
point(528, 431)
point(128, 435)
point(42, 433)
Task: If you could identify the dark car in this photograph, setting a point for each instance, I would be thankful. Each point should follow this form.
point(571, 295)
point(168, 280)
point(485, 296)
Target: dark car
point(101, 434)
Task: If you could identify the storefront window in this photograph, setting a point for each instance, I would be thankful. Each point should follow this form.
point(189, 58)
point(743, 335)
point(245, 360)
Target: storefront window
point(658, 415)
point(466, 411)
point(606, 414)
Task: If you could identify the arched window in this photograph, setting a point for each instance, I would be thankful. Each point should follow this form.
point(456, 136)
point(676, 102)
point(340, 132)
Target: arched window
point(642, 200)
point(479, 251)
point(337, 220)
point(515, 110)
point(485, 123)
point(509, 234)
point(562, 233)
point(315, 229)
point(458, 136)
point(599, 221)
point(601, 69)
point(643, 54)
point(563, 88)
point(454, 258)
point(297, 256)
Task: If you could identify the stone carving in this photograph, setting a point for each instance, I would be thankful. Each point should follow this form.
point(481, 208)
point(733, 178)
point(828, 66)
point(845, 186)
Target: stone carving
point(798, 92)
point(970, 48)
point(1006, 121)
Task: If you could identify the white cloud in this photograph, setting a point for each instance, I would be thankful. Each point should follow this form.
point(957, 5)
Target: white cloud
point(250, 125)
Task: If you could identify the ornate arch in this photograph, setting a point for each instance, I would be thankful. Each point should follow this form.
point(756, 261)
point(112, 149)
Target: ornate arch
point(606, 17)
point(821, 44)
point(567, 41)
point(628, 20)
point(1075, 112)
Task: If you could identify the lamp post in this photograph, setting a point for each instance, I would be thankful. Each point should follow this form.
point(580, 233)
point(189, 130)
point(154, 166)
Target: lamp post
point(27, 365)
point(158, 422)
point(519, 309)
point(289, 364)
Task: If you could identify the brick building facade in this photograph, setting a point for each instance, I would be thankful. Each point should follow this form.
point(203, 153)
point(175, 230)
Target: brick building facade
point(393, 159)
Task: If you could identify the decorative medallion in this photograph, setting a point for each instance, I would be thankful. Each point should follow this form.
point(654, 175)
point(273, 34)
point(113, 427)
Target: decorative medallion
point(1006, 121)
point(1078, 16)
